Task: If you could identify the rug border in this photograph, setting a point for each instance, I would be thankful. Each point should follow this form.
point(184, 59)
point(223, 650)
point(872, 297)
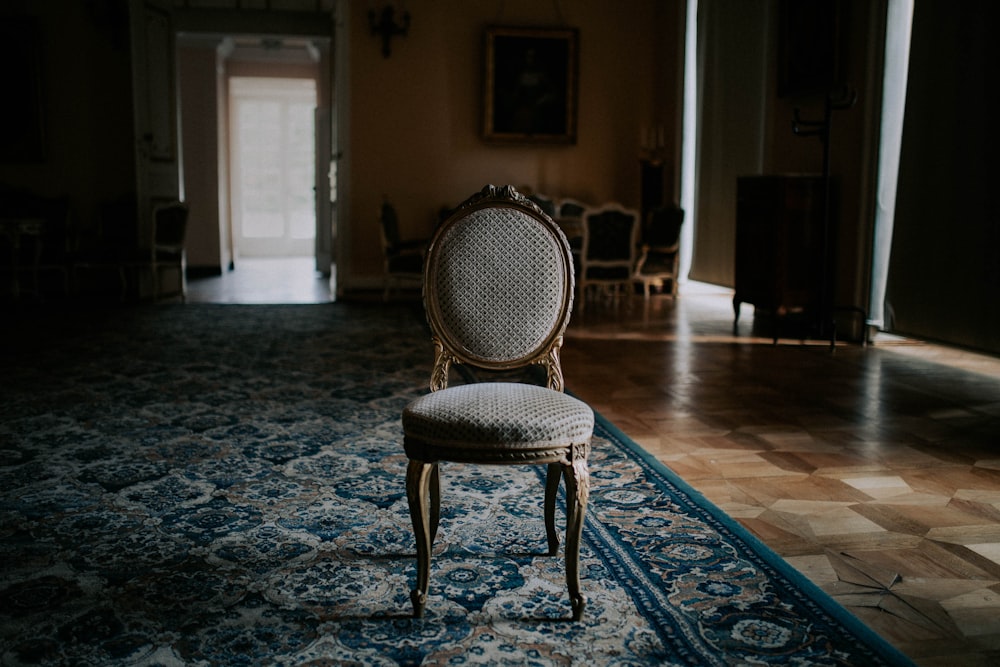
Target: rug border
point(823, 599)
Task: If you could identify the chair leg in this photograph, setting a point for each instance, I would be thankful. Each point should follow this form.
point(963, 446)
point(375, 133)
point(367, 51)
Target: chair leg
point(183, 270)
point(418, 487)
point(435, 494)
point(577, 494)
point(552, 476)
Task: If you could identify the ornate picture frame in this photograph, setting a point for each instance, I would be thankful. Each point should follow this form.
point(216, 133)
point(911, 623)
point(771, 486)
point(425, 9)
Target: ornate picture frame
point(530, 85)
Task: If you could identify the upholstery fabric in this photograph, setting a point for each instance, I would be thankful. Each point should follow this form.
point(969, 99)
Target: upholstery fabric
point(500, 310)
point(500, 415)
point(611, 235)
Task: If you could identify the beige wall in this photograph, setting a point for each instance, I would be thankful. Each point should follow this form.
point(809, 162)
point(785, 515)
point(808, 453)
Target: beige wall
point(415, 117)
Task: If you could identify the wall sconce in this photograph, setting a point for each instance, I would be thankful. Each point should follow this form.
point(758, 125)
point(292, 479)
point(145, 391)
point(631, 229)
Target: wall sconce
point(383, 22)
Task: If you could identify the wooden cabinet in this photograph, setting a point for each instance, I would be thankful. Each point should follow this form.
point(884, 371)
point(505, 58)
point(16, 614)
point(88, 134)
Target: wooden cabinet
point(781, 261)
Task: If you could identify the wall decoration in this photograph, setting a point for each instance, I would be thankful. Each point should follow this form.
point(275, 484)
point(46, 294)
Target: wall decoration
point(530, 85)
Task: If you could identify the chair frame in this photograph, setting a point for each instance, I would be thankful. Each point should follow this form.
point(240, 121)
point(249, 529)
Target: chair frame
point(394, 249)
point(567, 460)
point(627, 264)
point(169, 253)
point(647, 279)
point(570, 219)
point(161, 254)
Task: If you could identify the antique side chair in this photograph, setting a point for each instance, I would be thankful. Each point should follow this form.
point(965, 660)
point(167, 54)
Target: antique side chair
point(498, 292)
point(608, 253)
point(168, 252)
point(404, 258)
point(660, 251)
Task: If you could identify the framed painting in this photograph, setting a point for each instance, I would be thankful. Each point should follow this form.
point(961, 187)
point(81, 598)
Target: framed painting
point(530, 91)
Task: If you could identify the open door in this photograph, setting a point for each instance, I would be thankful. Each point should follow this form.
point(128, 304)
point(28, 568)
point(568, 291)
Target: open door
point(154, 102)
point(325, 177)
point(272, 165)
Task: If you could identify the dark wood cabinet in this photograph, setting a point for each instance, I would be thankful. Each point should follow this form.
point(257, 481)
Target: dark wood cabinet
point(781, 261)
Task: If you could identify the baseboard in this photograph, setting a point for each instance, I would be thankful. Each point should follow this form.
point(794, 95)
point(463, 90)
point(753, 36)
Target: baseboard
point(195, 272)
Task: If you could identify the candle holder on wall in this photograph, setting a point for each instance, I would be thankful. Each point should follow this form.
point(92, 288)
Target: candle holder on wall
point(651, 144)
point(652, 148)
point(383, 23)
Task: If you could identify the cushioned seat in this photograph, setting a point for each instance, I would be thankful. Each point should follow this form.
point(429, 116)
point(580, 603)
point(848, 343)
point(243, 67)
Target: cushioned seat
point(468, 421)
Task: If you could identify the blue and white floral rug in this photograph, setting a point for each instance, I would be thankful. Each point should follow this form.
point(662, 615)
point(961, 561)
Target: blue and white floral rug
point(224, 485)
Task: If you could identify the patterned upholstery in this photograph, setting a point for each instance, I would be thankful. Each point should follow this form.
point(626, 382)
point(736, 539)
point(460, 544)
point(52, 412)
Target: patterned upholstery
point(660, 253)
point(608, 253)
point(500, 284)
point(498, 291)
point(498, 415)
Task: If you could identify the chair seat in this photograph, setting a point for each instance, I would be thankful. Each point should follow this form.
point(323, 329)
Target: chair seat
point(488, 419)
point(656, 264)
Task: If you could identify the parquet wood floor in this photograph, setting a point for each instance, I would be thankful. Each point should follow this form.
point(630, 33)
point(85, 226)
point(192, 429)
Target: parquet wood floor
point(874, 470)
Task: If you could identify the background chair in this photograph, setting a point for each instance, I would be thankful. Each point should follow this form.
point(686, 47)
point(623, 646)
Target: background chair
point(547, 205)
point(34, 243)
point(608, 251)
point(570, 219)
point(498, 291)
point(404, 259)
point(659, 254)
point(105, 252)
point(168, 252)
point(571, 209)
point(111, 249)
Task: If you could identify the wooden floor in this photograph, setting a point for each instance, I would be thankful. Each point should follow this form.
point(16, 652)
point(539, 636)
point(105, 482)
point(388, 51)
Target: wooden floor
point(264, 280)
point(874, 470)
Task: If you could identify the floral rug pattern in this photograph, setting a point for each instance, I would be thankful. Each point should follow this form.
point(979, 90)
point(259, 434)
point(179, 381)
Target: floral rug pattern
point(205, 485)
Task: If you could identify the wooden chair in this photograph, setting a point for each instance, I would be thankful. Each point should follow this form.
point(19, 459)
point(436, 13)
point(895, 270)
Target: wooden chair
point(498, 291)
point(570, 219)
point(660, 251)
point(547, 205)
point(608, 252)
point(404, 259)
point(168, 252)
point(111, 251)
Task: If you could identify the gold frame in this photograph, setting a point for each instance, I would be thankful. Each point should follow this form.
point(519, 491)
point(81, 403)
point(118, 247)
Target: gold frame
point(530, 85)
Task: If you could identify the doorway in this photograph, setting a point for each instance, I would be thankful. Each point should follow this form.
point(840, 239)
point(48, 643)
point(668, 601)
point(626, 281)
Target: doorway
point(272, 166)
point(256, 137)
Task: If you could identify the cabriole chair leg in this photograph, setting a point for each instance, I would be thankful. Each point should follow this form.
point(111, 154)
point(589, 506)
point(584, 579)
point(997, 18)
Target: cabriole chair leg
point(552, 477)
point(418, 488)
point(577, 493)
